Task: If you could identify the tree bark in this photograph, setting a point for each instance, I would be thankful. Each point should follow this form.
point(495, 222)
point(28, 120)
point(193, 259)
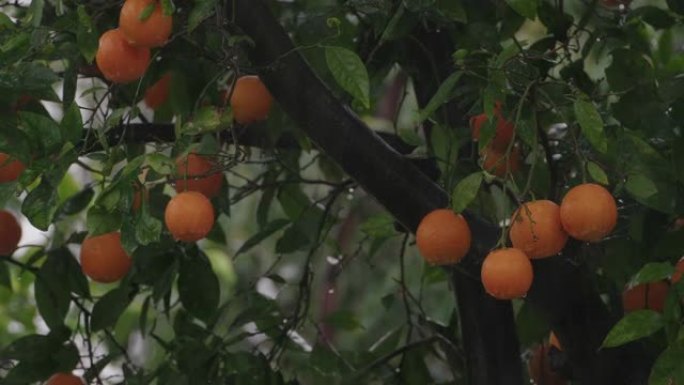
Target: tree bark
point(408, 194)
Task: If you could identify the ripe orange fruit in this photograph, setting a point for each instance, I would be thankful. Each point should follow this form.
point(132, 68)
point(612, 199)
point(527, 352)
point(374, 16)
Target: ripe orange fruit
point(10, 233)
point(679, 271)
point(646, 296)
point(158, 93)
point(540, 369)
point(64, 379)
point(189, 216)
point(504, 131)
point(443, 237)
point(496, 162)
point(197, 173)
point(250, 100)
point(536, 229)
point(140, 193)
point(103, 259)
point(10, 169)
point(553, 341)
point(588, 212)
point(152, 32)
point(506, 273)
point(118, 61)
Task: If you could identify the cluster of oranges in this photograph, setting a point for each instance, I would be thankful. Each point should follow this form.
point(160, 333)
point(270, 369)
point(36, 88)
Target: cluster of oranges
point(496, 156)
point(539, 229)
point(189, 216)
point(123, 53)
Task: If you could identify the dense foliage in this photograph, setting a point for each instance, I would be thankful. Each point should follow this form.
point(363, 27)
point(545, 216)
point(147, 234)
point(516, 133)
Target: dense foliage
point(304, 277)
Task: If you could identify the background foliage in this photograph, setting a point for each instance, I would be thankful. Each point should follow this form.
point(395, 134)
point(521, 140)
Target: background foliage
point(305, 278)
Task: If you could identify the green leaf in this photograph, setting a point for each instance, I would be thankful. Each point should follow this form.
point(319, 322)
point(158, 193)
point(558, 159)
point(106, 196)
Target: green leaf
point(66, 358)
point(379, 226)
point(635, 325)
point(265, 232)
point(164, 283)
point(86, 35)
point(443, 95)
point(167, 7)
point(640, 186)
point(32, 348)
point(202, 10)
point(71, 126)
point(94, 370)
point(109, 308)
point(676, 6)
point(453, 9)
point(293, 239)
point(525, 8)
point(160, 163)
point(5, 277)
point(349, 72)
point(42, 130)
point(466, 191)
point(207, 119)
point(76, 203)
point(667, 369)
point(591, 123)
point(652, 272)
point(629, 69)
point(35, 14)
point(198, 286)
point(148, 229)
point(40, 205)
point(100, 221)
point(52, 291)
point(344, 320)
point(597, 173)
point(147, 11)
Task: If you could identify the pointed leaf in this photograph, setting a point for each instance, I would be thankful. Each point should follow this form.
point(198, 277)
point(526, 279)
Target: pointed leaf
point(635, 325)
point(349, 72)
point(466, 191)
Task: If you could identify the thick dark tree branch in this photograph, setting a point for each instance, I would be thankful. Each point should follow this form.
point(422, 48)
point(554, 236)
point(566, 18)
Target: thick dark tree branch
point(389, 177)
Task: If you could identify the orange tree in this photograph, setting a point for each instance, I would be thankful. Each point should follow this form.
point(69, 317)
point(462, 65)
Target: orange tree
point(335, 128)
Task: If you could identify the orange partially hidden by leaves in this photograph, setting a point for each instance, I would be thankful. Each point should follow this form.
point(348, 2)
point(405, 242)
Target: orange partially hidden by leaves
point(553, 341)
point(103, 258)
point(197, 173)
point(250, 100)
point(646, 296)
point(10, 169)
point(540, 369)
point(10, 233)
point(679, 271)
point(142, 28)
point(506, 273)
point(503, 134)
point(189, 216)
point(64, 379)
point(141, 193)
point(158, 93)
point(536, 229)
point(118, 61)
point(443, 237)
point(496, 162)
point(588, 212)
